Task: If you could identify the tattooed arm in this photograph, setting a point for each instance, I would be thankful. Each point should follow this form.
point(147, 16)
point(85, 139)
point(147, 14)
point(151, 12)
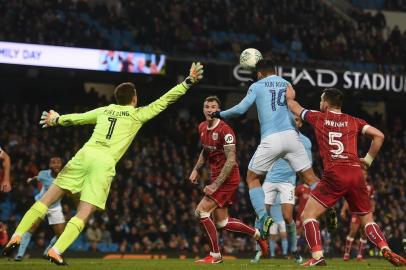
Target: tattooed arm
point(194, 176)
point(230, 153)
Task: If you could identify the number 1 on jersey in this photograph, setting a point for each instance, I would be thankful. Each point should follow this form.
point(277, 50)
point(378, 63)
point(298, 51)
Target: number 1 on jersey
point(111, 128)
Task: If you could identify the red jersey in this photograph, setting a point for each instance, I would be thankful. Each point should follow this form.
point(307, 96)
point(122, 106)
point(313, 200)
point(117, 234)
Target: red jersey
point(302, 194)
point(337, 136)
point(213, 141)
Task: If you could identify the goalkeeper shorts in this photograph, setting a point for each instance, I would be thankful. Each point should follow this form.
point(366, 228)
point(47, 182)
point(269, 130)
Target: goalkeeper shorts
point(89, 172)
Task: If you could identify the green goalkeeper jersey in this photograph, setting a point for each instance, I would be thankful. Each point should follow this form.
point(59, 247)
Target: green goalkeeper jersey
point(117, 125)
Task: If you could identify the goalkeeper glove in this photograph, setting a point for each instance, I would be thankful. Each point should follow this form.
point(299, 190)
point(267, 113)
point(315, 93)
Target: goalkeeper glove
point(49, 119)
point(195, 74)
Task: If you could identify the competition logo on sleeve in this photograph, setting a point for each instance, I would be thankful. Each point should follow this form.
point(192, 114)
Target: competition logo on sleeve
point(215, 136)
point(229, 138)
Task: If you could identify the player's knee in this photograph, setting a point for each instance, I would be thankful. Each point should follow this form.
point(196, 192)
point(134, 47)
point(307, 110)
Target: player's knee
point(288, 220)
point(287, 217)
point(307, 220)
point(201, 214)
point(221, 224)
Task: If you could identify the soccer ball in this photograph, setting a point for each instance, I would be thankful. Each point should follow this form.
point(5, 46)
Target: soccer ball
point(249, 58)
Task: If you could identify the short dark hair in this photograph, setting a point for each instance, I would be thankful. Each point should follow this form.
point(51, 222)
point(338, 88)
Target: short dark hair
point(333, 96)
point(213, 98)
point(124, 93)
point(266, 64)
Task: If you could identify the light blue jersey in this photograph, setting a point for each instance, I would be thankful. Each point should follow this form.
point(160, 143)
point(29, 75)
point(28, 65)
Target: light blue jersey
point(282, 172)
point(45, 177)
point(269, 97)
point(276, 210)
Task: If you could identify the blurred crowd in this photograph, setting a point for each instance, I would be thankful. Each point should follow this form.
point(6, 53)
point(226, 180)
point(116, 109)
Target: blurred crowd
point(151, 204)
point(292, 31)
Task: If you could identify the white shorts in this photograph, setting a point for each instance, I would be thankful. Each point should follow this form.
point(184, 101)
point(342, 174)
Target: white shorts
point(286, 145)
point(286, 192)
point(55, 215)
point(277, 227)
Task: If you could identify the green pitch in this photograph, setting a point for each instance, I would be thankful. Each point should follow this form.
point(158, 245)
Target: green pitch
point(177, 264)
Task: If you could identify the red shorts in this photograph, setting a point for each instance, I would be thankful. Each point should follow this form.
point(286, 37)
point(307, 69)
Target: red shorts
point(347, 182)
point(225, 195)
point(355, 219)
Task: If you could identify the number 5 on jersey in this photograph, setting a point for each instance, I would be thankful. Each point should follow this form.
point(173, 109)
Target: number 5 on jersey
point(333, 139)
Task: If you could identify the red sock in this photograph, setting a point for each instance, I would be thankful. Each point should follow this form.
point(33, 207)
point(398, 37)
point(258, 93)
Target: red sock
point(375, 235)
point(348, 244)
point(236, 225)
point(312, 234)
point(361, 246)
point(211, 231)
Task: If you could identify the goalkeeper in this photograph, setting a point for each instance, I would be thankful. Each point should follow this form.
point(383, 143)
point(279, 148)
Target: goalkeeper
point(92, 169)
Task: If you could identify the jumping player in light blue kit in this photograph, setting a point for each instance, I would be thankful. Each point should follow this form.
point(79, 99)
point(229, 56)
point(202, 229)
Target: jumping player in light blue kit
point(279, 138)
point(279, 189)
point(55, 215)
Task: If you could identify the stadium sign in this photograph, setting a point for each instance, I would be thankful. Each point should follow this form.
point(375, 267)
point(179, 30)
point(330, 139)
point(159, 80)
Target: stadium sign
point(329, 78)
point(80, 58)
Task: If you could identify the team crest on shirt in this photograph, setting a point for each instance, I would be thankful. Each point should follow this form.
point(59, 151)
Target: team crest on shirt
point(229, 138)
point(215, 136)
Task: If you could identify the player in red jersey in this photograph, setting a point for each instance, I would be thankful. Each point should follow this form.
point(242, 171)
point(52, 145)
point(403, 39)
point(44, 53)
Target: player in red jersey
point(337, 136)
point(356, 223)
point(302, 193)
point(219, 148)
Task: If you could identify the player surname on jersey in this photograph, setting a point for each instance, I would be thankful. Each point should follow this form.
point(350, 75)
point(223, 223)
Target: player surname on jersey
point(117, 113)
point(335, 124)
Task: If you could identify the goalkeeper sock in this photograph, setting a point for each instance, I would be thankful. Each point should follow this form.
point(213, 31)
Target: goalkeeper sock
point(37, 211)
point(73, 229)
point(292, 238)
point(25, 241)
point(257, 197)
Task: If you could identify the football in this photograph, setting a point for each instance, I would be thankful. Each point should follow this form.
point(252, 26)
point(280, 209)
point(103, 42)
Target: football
point(249, 58)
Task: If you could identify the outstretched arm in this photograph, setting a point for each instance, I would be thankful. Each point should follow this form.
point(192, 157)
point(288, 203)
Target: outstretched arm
point(52, 118)
point(150, 111)
point(89, 117)
point(146, 113)
point(241, 107)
